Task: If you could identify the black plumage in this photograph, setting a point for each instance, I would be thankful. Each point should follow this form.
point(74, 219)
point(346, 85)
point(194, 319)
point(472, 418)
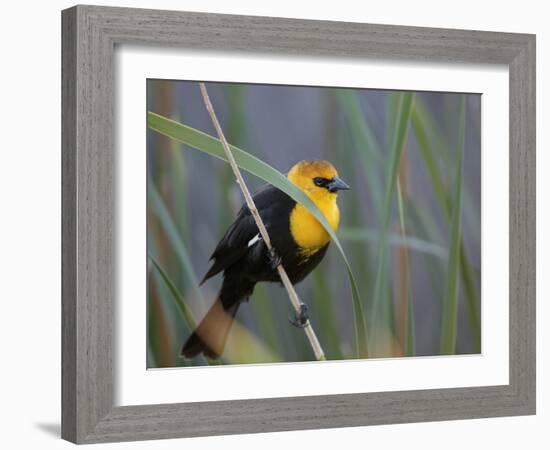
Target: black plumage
point(242, 256)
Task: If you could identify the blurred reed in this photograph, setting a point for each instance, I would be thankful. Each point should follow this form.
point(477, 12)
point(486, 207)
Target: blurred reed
point(406, 246)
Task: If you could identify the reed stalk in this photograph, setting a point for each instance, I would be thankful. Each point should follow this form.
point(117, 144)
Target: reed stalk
point(292, 295)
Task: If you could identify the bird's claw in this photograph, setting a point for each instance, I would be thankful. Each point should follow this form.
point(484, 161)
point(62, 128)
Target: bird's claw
point(301, 318)
point(274, 258)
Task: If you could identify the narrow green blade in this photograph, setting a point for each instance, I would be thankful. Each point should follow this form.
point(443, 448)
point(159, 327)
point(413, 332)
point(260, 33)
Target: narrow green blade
point(409, 336)
point(177, 296)
point(421, 123)
point(450, 305)
point(404, 107)
point(162, 213)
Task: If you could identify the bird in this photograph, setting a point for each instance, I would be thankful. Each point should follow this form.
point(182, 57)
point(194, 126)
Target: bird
point(299, 243)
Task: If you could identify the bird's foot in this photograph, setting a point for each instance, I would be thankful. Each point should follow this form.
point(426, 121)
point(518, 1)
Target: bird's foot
point(301, 318)
point(274, 259)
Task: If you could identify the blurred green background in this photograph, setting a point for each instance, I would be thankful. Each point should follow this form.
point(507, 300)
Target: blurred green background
point(415, 253)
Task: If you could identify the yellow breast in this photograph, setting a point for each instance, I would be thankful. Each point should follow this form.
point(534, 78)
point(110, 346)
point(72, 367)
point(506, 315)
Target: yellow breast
point(307, 231)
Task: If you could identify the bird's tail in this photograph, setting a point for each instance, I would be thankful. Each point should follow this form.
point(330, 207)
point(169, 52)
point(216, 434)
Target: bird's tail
point(211, 333)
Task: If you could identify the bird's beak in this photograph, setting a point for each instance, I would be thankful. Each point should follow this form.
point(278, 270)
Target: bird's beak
point(336, 184)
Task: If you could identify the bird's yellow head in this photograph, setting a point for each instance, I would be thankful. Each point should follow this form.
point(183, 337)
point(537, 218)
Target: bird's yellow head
point(317, 178)
point(319, 181)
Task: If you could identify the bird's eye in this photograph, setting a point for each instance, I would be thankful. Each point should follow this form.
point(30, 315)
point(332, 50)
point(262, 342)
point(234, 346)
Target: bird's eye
point(319, 181)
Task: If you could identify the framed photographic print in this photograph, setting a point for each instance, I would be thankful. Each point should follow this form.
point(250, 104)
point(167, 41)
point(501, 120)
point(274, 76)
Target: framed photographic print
point(277, 224)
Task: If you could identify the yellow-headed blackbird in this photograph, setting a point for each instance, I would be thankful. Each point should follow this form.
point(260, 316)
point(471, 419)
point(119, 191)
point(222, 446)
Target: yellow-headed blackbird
point(299, 242)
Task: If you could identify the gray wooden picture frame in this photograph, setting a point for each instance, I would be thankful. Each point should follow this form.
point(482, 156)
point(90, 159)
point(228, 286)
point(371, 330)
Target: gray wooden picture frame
point(90, 34)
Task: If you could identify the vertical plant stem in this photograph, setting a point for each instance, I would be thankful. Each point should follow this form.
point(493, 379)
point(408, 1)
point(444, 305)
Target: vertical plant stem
point(450, 306)
point(400, 133)
point(364, 140)
point(158, 328)
point(406, 317)
point(293, 296)
point(420, 123)
point(402, 257)
point(327, 316)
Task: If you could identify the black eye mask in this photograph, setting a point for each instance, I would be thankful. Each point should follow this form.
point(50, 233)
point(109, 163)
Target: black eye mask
point(334, 184)
point(321, 182)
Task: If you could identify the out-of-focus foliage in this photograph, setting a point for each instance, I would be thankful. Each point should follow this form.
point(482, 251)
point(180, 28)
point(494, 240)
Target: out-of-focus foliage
point(410, 226)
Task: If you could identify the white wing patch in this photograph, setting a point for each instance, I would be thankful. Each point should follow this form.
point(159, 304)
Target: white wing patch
point(255, 239)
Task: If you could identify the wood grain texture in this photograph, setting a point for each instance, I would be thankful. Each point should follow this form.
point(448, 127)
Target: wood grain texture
point(89, 198)
point(88, 209)
point(68, 226)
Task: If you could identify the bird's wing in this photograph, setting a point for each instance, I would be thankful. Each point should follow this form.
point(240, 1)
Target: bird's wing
point(243, 234)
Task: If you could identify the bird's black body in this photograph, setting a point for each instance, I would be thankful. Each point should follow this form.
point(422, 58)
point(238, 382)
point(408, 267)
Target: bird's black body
point(236, 258)
point(242, 256)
